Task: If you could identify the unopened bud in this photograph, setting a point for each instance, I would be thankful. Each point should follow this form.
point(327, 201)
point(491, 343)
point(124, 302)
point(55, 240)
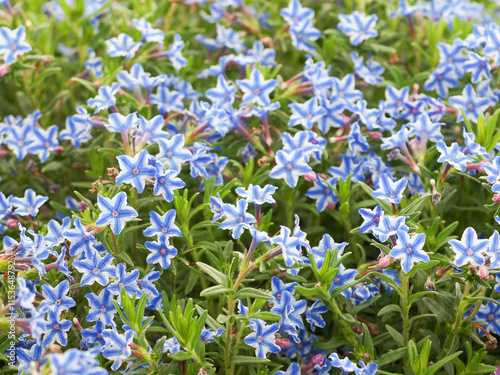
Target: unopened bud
point(483, 273)
point(375, 135)
point(384, 261)
point(330, 206)
point(12, 223)
point(59, 150)
point(366, 357)
point(83, 206)
point(496, 198)
point(310, 177)
point(3, 153)
point(283, 343)
point(318, 360)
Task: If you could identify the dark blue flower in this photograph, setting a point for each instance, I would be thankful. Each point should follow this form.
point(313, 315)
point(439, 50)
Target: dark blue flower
point(262, 338)
point(115, 212)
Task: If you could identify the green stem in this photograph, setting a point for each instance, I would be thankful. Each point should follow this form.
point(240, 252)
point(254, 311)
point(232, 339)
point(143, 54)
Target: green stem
point(115, 242)
point(406, 308)
point(458, 320)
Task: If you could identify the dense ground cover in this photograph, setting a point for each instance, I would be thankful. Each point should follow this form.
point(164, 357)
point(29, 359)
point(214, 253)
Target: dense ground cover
point(257, 187)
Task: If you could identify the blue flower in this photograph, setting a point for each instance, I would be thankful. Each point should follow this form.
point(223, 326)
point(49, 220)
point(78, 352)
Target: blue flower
point(370, 71)
point(148, 32)
point(305, 140)
point(161, 252)
point(117, 346)
point(102, 307)
point(167, 100)
point(13, 44)
point(289, 245)
point(425, 129)
point(163, 225)
point(290, 309)
point(469, 249)
point(96, 269)
point(78, 128)
point(334, 107)
point(358, 26)
point(29, 204)
point(256, 194)
point(150, 131)
point(323, 194)
point(389, 190)
point(478, 66)
point(256, 89)
point(80, 239)
point(26, 357)
point(135, 170)
point(171, 345)
point(492, 47)
point(490, 313)
point(174, 53)
point(293, 369)
point(344, 276)
point(356, 141)
point(228, 38)
point(56, 299)
point(122, 46)
point(396, 140)
point(470, 103)
point(369, 369)
point(306, 114)
point(262, 338)
point(115, 212)
point(451, 54)
point(237, 218)
point(389, 226)
point(363, 293)
point(127, 280)
point(313, 315)
point(302, 34)
point(296, 13)
point(344, 89)
point(105, 99)
point(19, 138)
point(326, 243)
point(278, 287)
point(166, 183)
point(44, 141)
point(222, 96)
point(74, 361)
point(471, 147)
point(345, 364)
point(452, 155)
point(414, 109)
point(56, 329)
point(94, 64)
point(494, 250)
point(121, 124)
point(209, 335)
point(395, 100)
point(371, 218)
point(290, 165)
point(174, 152)
point(410, 250)
point(493, 170)
point(441, 79)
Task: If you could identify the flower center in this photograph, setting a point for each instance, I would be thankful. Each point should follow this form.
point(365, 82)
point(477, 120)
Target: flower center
point(56, 327)
point(162, 180)
point(135, 171)
point(256, 91)
point(260, 339)
point(115, 213)
point(491, 317)
point(96, 271)
point(470, 106)
point(163, 251)
point(409, 251)
point(469, 252)
point(338, 280)
point(169, 154)
point(104, 309)
point(289, 166)
point(20, 143)
point(164, 230)
point(57, 302)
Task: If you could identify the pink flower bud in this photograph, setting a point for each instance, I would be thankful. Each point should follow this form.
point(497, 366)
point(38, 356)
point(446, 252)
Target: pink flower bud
point(318, 360)
point(483, 273)
point(59, 150)
point(414, 144)
point(3, 153)
point(310, 177)
point(282, 343)
point(384, 261)
point(496, 198)
point(12, 223)
point(330, 206)
point(4, 69)
point(375, 135)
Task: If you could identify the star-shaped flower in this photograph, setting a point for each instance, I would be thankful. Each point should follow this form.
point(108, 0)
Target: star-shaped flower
point(161, 252)
point(174, 152)
point(389, 190)
point(358, 26)
point(56, 299)
point(441, 79)
point(469, 249)
point(122, 46)
point(13, 43)
point(306, 114)
point(470, 103)
point(256, 89)
point(452, 155)
point(237, 218)
point(115, 211)
point(135, 170)
point(105, 99)
point(102, 307)
point(290, 165)
point(163, 225)
point(478, 66)
point(56, 329)
point(127, 280)
point(29, 204)
point(96, 269)
point(80, 239)
point(410, 250)
point(262, 338)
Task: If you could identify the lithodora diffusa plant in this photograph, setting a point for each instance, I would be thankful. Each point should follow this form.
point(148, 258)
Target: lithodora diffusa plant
point(249, 187)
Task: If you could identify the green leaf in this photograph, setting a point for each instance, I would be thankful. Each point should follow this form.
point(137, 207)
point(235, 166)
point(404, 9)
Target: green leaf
point(218, 276)
point(264, 315)
point(392, 356)
point(436, 366)
point(180, 356)
point(397, 336)
point(252, 293)
point(242, 359)
point(216, 290)
point(390, 309)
